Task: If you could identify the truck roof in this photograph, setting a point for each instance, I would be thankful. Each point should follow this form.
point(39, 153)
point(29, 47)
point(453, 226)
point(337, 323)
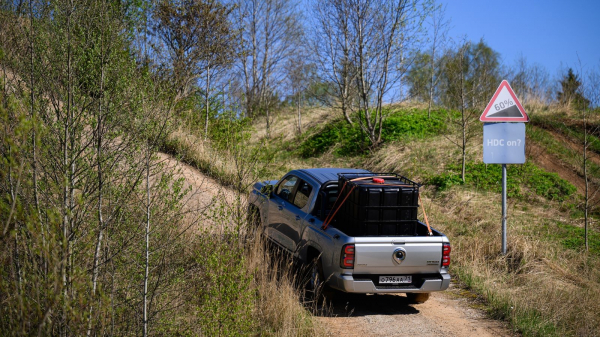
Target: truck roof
point(323, 175)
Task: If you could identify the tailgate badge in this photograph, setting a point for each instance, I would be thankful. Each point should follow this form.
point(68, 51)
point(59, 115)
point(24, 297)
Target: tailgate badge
point(399, 255)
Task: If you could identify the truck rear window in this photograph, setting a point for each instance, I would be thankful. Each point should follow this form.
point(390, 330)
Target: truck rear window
point(302, 194)
point(325, 200)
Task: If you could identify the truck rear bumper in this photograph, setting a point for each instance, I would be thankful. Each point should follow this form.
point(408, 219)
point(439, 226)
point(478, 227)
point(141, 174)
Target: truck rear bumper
point(365, 284)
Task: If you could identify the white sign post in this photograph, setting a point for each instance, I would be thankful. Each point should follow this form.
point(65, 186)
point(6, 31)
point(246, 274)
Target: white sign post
point(504, 137)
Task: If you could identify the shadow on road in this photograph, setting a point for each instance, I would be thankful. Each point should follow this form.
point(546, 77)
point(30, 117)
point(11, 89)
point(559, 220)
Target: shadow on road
point(365, 305)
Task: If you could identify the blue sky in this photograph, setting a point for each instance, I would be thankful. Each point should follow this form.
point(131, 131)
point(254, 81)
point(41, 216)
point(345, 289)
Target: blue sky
point(553, 33)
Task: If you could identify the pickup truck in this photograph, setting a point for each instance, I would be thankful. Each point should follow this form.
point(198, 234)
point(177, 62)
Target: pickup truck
point(293, 213)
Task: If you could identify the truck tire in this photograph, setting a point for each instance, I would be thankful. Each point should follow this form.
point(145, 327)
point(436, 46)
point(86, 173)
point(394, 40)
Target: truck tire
point(316, 282)
point(417, 298)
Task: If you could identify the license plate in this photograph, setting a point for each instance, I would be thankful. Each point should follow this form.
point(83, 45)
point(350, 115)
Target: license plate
point(395, 279)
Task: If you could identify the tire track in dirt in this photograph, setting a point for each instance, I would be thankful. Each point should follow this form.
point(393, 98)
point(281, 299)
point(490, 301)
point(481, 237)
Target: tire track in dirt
point(551, 163)
point(203, 192)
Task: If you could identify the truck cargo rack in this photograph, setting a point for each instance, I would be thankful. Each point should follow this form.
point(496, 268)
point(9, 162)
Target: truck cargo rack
point(376, 204)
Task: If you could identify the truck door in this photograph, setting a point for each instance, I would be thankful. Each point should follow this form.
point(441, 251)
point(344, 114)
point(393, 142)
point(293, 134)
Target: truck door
point(296, 213)
point(279, 205)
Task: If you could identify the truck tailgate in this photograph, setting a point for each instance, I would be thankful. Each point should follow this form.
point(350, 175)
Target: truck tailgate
point(379, 255)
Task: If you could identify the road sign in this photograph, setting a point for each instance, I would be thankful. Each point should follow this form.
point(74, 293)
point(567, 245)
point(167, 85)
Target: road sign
point(504, 107)
point(504, 143)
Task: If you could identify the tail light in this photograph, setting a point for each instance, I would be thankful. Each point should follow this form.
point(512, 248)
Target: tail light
point(347, 257)
point(446, 255)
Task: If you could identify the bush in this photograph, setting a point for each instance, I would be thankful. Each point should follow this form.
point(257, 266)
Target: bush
point(489, 177)
point(404, 125)
point(352, 141)
point(350, 138)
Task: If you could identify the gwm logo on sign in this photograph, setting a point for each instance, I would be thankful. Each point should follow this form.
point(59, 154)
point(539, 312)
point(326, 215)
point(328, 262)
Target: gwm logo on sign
point(504, 107)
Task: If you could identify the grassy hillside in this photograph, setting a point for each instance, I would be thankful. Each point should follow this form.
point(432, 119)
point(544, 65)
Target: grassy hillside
point(547, 284)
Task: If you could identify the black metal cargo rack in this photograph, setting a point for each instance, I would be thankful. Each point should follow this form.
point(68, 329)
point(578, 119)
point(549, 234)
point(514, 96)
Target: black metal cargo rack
point(386, 206)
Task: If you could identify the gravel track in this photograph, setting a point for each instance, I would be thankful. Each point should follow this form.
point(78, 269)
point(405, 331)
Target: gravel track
point(444, 314)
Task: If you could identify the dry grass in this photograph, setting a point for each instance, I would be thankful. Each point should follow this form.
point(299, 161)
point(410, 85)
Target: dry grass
point(543, 284)
point(200, 154)
point(279, 307)
point(284, 124)
point(422, 158)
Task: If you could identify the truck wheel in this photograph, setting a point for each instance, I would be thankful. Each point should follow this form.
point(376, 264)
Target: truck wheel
point(417, 298)
point(316, 282)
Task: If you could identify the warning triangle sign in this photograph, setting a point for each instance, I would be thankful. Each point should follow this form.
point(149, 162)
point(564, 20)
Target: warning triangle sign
point(504, 107)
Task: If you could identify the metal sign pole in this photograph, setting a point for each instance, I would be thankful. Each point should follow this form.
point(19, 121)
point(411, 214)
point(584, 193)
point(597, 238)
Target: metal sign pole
point(504, 209)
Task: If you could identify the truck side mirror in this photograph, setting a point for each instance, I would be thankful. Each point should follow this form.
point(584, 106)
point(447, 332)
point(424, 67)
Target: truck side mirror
point(267, 190)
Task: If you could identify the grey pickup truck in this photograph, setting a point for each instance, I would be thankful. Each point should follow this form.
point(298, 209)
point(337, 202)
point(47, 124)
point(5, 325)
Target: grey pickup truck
point(358, 230)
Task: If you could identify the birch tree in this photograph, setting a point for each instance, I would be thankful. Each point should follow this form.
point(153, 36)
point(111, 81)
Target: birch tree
point(333, 43)
point(367, 46)
point(439, 26)
point(469, 80)
point(269, 33)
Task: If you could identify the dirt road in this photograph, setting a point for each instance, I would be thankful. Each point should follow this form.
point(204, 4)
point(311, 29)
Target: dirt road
point(444, 314)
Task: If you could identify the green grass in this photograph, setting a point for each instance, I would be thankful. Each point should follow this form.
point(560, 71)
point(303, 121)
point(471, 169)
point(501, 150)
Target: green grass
point(572, 237)
point(562, 151)
point(414, 124)
point(561, 123)
point(489, 178)
point(350, 140)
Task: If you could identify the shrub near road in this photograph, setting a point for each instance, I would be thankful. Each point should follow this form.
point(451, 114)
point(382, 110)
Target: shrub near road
point(489, 178)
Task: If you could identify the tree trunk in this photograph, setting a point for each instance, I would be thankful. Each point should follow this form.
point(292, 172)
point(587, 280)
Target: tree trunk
point(100, 186)
point(431, 82)
point(206, 98)
point(66, 183)
point(585, 175)
point(147, 238)
point(299, 117)
point(268, 134)
point(464, 118)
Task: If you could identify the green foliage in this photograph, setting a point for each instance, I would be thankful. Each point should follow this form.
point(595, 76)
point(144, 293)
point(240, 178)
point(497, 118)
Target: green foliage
point(226, 297)
point(573, 237)
point(445, 180)
point(350, 140)
point(489, 178)
point(571, 92)
point(419, 77)
point(404, 126)
point(224, 131)
point(470, 75)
